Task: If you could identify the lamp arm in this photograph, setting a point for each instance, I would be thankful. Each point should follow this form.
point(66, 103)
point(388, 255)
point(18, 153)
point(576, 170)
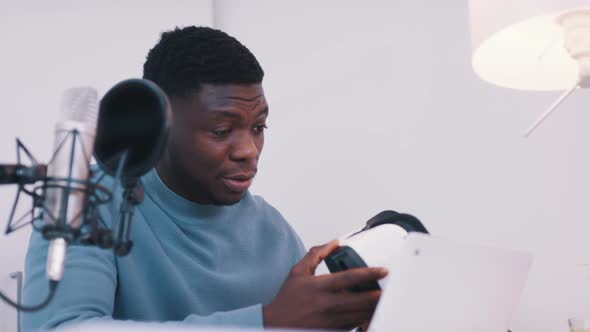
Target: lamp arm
point(550, 110)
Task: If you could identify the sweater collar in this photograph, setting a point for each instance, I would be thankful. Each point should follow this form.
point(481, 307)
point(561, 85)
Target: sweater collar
point(179, 206)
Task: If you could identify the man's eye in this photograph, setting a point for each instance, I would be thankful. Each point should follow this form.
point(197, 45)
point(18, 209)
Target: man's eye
point(221, 132)
point(260, 129)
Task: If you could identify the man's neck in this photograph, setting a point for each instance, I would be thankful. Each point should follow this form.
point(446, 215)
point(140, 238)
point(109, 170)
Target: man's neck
point(178, 181)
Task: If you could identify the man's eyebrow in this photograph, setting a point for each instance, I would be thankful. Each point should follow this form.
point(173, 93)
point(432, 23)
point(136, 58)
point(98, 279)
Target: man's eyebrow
point(225, 114)
point(235, 115)
point(244, 99)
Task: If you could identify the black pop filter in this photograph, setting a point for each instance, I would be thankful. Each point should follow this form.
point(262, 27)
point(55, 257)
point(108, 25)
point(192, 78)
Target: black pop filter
point(132, 118)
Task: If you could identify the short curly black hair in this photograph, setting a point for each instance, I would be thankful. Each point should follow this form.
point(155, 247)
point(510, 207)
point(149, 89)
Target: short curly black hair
point(184, 58)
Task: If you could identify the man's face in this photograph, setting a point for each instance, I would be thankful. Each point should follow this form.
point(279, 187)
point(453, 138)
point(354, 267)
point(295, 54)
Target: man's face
point(216, 137)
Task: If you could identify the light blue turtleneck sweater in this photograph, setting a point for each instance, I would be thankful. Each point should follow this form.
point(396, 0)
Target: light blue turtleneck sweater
point(190, 264)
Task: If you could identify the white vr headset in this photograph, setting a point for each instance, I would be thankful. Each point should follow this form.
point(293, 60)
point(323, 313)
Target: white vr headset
point(374, 245)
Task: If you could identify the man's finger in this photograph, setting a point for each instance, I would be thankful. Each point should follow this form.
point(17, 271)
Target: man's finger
point(351, 320)
point(354, 301)
point(349, 278)
point(309, 263)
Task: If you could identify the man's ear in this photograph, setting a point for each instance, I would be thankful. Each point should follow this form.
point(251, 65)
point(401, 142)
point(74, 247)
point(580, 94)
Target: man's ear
point(169, 114)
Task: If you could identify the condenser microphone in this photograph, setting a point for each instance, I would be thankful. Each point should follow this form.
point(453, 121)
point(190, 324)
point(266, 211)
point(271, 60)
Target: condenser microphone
point(68, 173)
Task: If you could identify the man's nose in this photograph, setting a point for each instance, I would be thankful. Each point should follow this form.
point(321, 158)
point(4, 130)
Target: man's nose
point(245, 148)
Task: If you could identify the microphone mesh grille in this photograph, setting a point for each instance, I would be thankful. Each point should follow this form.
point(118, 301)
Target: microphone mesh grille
point(80, 104)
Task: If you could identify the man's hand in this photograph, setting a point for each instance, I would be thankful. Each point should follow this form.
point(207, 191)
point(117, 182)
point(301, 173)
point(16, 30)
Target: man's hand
point(323, 302)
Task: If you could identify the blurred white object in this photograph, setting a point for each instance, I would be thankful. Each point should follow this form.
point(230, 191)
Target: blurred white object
point(532, 45)
point(377, 246)
point(374, 245)
point(154, 327)
point(442, 285)
point(579, 324)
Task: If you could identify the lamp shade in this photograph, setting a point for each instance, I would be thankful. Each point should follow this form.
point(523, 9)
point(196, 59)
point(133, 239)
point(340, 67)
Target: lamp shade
point(520, 44)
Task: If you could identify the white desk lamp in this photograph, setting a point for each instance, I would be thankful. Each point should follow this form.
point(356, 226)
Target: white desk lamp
point(532, 45)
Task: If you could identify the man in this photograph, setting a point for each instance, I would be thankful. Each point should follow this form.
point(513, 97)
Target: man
point(206, 251)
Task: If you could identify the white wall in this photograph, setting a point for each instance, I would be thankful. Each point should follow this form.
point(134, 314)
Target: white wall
point(48, 46)
point(374, 106)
